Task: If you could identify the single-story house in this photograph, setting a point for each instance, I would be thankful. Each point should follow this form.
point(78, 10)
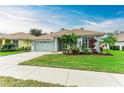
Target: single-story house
point(120, 41)
point(50, 42)
point(20, 39)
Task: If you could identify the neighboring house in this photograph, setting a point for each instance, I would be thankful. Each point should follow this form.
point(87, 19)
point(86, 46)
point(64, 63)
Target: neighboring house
point(20, 39)
point(50, 42)
point(120, 40)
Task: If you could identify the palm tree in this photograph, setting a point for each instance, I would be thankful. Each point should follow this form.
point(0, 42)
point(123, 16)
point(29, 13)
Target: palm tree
point(73, 40)
point(68, 41)
point(63, 41)
point(109, 40)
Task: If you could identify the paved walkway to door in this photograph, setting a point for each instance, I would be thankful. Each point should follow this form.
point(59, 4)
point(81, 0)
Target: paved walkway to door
point(9, 67)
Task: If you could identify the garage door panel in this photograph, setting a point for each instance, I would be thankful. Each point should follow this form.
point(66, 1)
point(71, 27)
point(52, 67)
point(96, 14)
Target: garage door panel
point(44, 45)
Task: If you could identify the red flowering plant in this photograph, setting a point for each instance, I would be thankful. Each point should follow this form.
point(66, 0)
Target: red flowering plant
point(92, 42)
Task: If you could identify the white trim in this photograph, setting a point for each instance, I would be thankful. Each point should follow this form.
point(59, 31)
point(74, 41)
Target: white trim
point(56, 45)
point(97, 44)
point(120, 44)
point(32, 46)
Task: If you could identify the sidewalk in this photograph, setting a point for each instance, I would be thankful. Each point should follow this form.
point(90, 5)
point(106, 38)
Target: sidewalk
point(66, 77)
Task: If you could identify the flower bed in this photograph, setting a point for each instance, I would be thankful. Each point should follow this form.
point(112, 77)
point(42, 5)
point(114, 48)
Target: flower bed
point(81, 53)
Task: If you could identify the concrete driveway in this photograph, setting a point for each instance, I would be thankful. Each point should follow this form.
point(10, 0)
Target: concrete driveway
point(17, 58)
point(9, 67)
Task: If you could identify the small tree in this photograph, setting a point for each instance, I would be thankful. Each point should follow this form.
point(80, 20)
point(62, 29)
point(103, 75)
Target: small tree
point(36, 32)
point(73, 40)
point(28, 42)
point(109, 40)
point(92, 42)
point(63, 41)
point(68, 41)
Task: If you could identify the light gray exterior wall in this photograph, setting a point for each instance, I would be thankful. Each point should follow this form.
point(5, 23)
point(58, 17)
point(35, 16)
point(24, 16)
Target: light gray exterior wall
point(79, 40)
point(97, 43)
point(120, 44)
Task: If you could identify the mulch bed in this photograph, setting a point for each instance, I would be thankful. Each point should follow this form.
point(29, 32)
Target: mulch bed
point(99, 54)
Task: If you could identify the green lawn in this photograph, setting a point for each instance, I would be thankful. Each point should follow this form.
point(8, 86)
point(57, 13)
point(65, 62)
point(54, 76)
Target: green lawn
point(10, 53)
point(12, 82)
point(113, 63)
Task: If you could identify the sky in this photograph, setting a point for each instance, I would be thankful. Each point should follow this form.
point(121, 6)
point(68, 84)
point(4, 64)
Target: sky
point(22, 18)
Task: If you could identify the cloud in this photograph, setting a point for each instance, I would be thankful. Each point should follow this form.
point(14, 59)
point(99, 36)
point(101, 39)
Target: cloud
point(106, 25)
point(23, 18)
point(119, 12)
point(89, 22)
point(11, 16)
point(76, 12)
point(52, 19)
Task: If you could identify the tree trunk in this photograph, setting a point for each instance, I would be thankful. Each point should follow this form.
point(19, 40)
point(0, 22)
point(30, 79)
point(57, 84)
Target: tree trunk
point(107, 48)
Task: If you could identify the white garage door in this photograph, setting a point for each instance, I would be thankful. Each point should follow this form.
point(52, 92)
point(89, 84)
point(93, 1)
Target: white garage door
point(44, 45)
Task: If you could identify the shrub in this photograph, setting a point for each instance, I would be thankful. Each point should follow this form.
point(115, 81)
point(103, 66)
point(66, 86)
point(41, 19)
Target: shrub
point(11, 47)
point(8, 47)
point(101, 49)
point(18, 49)
point(75, 50)
point(7, 50)
point(85, 50)
point(23, 49)
point(27, 48)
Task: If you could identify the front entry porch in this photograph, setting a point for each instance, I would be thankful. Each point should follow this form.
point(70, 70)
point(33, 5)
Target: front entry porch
point(6, 41)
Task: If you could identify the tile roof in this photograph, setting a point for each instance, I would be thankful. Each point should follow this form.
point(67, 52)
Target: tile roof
point(19, 35)
point(120, 37)
point(78, 32)
point(45, 37)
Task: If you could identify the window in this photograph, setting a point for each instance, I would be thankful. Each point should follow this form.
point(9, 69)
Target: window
point(85, 42)
point(44, 41)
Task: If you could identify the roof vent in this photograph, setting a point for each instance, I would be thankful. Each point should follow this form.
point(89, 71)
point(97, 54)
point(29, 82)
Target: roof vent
point(82, 28)
point(51, 32)
point(62, 29)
